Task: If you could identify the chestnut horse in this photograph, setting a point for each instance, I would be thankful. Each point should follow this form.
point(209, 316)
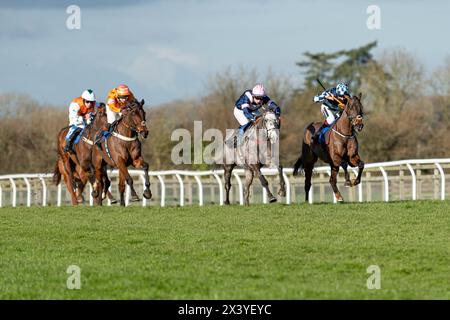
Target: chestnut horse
point(76, 167)
point(122, 149)
point(341, 149)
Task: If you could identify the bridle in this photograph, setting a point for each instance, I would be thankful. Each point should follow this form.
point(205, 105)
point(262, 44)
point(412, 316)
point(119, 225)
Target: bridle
point(270, 124)
point(351, 118)
point(359, 116)
point(134, 128)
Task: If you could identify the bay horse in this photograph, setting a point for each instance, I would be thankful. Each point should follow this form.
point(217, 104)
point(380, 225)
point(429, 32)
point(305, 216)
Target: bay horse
point(122, 149)
point(259, 138)
point(341, 149)
point(76, 167)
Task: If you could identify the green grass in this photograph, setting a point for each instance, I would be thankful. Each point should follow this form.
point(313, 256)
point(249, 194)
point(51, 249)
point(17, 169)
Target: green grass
point(261, 252)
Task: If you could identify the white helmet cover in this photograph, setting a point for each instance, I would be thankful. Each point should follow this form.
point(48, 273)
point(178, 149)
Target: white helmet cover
point(88, 95)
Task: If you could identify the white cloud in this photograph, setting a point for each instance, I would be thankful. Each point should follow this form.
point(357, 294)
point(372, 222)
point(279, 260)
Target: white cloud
point(160, 66)
point(173, 55)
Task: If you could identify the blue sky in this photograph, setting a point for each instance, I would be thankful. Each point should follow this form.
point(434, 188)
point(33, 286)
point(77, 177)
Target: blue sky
point(166, 50)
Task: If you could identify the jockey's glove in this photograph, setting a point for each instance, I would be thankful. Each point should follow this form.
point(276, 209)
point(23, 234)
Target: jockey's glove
point(249, 115)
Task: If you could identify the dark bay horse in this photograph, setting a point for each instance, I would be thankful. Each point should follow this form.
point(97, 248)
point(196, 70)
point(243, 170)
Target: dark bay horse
point(251, 155)
point(121, 150)
point(76, 167)
point(341, 150)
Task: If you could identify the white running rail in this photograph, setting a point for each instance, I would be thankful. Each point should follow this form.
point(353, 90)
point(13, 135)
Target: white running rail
point(37, 186)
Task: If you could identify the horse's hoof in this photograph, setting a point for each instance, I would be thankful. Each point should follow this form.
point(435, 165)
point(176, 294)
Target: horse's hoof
point(113, 201)
point(348, 184)
point(147, 194)
point(356, 182)
point(80, 199)
point(135, 199)
point(272, 200)
point(282, 193)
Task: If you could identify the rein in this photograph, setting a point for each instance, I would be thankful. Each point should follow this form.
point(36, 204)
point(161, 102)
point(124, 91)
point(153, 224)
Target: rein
point(350, 119)
point(122, 137)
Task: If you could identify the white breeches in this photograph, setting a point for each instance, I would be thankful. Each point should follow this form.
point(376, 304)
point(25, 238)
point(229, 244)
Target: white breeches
point(111, 115)
point(240, 116)
point(329, 117)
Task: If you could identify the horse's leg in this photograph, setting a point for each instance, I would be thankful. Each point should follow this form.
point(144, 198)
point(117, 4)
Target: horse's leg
point(247, 184)
point(139, 163)
point(264, 183)
point(126, 176)
point(98, 186)
point(228, 169)
point(107, 182)
point(97, 179)
point(306, 162)
point(344, 166)
point(122, 188)
point(356, 161)
point(282, 191)
point(333, 183)
point(68, 179)
point(83, 171)
point(308, 169)
point(81, 185)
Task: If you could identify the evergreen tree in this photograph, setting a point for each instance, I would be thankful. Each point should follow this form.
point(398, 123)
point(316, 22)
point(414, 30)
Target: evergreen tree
point(355, 61)
point(343, 65)
point(317, 65)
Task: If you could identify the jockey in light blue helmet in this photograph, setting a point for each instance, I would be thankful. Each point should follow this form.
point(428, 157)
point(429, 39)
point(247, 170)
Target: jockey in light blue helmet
point(333, 101)
point(342, 89)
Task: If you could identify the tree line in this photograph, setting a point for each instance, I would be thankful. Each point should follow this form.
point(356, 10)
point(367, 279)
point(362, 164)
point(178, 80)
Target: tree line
point(406, 111)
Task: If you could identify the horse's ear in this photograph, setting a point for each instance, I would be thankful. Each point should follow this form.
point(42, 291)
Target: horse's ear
point(360, 96)
point(142, 102)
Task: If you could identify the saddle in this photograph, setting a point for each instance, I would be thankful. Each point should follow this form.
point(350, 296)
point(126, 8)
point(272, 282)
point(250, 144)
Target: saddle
point(324, 136)
point(232, 140)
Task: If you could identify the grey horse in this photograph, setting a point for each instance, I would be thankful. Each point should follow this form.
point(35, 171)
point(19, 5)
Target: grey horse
point(260, 148)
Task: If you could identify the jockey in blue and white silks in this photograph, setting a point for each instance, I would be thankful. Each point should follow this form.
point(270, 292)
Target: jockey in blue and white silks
point(247, 106)
point(333, 101)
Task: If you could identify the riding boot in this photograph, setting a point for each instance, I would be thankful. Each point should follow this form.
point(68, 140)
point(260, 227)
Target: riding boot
point(240, 136)
point(105, 133)
point(69, 144)
point(316, 135)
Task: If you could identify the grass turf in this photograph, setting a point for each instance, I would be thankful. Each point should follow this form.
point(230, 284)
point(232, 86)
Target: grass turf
point(258, 252)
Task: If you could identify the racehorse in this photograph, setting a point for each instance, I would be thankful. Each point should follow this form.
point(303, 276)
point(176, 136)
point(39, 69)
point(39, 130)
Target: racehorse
point(258, 139)
point(122, 149)
point(76, 167)
point(341, 149)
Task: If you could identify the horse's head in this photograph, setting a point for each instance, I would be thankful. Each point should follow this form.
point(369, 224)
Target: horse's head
point(355, 114)
point(271, 123)
point(100, 118)
point(134, 115)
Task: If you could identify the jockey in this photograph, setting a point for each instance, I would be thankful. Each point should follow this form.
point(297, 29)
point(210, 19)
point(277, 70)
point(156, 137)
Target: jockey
point(117, 99)
point(247, 106)
point(80, 115)
point(333, 101)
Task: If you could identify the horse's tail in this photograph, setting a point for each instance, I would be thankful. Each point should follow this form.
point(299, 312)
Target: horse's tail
point(298, 166)
point(300, 163)
point(56, 173)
